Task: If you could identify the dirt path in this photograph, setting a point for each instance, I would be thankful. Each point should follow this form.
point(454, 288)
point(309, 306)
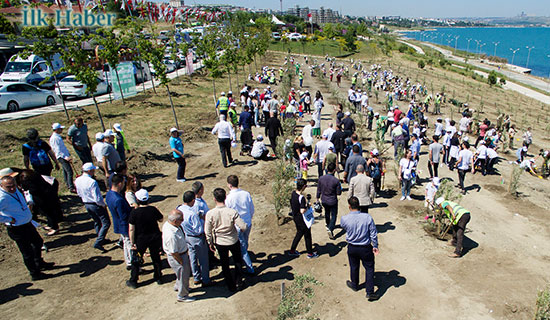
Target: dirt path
point(497, 279)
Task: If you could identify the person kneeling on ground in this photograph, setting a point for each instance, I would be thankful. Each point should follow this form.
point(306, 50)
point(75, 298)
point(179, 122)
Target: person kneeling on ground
point(259, 150)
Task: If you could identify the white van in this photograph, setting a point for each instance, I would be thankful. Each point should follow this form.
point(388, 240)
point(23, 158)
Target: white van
point(32, 69)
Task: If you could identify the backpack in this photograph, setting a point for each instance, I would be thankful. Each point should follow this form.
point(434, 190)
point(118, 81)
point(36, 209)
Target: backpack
point(375, 170)
point(37, 156)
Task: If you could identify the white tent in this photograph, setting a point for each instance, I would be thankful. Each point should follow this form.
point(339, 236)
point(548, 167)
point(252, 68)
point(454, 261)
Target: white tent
point(276, 21)
point(252, 21)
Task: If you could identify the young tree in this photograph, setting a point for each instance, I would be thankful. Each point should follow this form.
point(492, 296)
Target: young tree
point(77, 62)
point(208, 46)
point(157, 59)
point(45, 45)
point(109, 51)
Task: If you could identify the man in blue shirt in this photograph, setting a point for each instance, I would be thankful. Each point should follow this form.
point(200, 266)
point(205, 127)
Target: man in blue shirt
point(193, 227)
point(415, 147)
point(120, 211)
point(362, 239)
point(176, 145)
point(16, 214)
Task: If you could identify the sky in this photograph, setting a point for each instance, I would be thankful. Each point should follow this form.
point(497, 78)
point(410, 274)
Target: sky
point(405, 8)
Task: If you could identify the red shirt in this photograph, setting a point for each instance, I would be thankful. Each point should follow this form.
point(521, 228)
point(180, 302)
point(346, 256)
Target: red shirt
point(482, 129)
point(397, 115)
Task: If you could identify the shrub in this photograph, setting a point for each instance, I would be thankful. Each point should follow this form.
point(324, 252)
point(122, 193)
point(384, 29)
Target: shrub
point(421, 64)
point(514, 181)
point(543, 305)
point(502, 81)
point(492, 78)
point(297, 299)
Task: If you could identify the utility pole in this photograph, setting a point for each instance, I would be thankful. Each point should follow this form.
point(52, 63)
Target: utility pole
point(514, 54)
point(496, 44)
point(281, 6)
point(528, 54)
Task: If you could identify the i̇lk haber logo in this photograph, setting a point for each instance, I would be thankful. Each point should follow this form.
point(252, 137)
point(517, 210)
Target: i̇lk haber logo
point(68, 18)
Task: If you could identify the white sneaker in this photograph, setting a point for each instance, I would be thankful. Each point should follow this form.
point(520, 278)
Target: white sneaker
point(409, 198)
point(180, 180)
point(186, 299)
point(402, 198)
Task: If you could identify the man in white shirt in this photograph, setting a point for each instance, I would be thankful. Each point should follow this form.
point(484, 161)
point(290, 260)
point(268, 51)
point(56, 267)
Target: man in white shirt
point(465, 160)
point(481, 158)
point(439, 127)
point(241, 201)
point(193, 227)
point(492, 156)
point(364, 101)
point(175, 245)
point(62, 155)
point(464, 124)
point(329, 131)
point(321, 150)
point(226, 135)
point(306, 135)
point(98, 146)
point(88, 190)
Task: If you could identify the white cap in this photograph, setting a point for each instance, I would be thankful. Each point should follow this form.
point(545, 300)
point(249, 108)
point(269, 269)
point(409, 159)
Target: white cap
point(292, 89)
point(524, 149)
point(117, 127)
point(259, 137)
point(173, 130)
point(223, 93)
point(99, 136)
point(347, 113)
point(230, 92)
point(482, 142)
point(142, 195)
point(376, 114)
point(396, 107)
point(88, 166)
point(233, 104)
point(324, 136)
point(269, 87)
point(435, 180)
point(109, 132)
point(7, 172)
point(374, 152)
point(56, 126)
point(439, 200)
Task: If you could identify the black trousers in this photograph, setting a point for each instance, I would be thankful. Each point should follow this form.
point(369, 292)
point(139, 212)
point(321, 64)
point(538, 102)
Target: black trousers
point(433, 169)
point(377, 184)
point(461, 177)
point(154, 245)
point(181, 167)
point(225, 150)
point(458, 232)
point(301, 231)
point(356, 256)
point(235, 250)
point(273, 142)
point(30, 244)
point(364, 209)
point(483, 165)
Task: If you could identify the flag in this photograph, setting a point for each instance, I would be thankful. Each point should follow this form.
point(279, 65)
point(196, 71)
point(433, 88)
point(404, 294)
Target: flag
point(310, 17)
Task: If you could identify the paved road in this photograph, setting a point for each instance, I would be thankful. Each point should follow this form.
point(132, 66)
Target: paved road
point(515, 76)
point(83, 102)
point(416, 48)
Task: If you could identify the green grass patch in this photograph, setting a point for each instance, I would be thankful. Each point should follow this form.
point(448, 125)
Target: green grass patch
point(298, 298)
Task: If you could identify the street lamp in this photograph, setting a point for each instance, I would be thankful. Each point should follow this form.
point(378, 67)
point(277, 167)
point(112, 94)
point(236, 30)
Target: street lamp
point(548, 55)
point(514, 54)
point(528, 54)
point(477, 45)
point(481, 46)
point(468, 48)
point(456, 40)
point(496, 44)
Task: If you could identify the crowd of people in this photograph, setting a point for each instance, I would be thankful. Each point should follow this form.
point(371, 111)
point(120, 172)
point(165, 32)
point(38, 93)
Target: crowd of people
point(192, 232)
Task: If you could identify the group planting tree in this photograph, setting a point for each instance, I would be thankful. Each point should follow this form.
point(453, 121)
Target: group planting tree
point(157, 59)
point(77, 62)
point(45, 44)
point(208, 47)
point(109, 51)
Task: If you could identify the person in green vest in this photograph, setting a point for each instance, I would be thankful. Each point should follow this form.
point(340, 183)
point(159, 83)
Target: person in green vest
point(281, 74)
point(354, 80)
point(233, 119)
point(222, 105)
point(459, 218)
point(381, 127)
point(427, 101)
point(297, 68)
point(437, 109)
point(301, 78)
point(121, 144)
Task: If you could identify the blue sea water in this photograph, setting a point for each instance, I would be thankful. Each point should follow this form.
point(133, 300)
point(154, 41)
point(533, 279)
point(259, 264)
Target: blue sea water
point(507, 39)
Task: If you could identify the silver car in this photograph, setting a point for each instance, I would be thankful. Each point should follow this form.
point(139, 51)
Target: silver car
point(20, 95)
point(72, 88)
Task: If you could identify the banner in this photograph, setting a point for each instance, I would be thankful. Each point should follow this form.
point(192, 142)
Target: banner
point(127, 80)
point(189, 62)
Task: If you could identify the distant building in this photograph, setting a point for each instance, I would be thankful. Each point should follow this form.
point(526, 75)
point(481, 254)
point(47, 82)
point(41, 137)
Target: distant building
point(318, 16)
point(177, 3)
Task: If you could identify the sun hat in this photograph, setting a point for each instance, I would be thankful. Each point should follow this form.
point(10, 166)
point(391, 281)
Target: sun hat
point(99, 136)
point(7, 172)
point(142, 195)
point(439, 200)
point(117, 127)
point(56, 126)
point(109, 132)
point(88, 166)
point(374, 152)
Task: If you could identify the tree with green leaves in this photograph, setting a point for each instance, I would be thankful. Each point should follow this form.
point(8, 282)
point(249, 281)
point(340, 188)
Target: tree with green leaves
point(157, 59)
point(45, 44)
point(77, 62)
point(109, 51)
point(208, 47)
point(6, 27)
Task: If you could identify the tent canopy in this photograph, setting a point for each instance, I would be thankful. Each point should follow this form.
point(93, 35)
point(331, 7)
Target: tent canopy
point(276, 21)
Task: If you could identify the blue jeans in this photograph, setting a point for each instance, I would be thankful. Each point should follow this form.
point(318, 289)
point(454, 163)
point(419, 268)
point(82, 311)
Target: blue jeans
point(406, 187)
point(101, 221)
point(198, 254)
point(331, 214)
point(243, 239)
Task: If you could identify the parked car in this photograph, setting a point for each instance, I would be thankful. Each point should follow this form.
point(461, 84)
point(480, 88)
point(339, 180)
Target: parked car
point(170, 67)
point(295, 36)
point(72, 88)
point(141, 72)
point(20, 95)
point(276, 36)
point(32, 69)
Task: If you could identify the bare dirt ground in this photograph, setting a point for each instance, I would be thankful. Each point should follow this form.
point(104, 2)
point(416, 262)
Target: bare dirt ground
point(506, 263)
